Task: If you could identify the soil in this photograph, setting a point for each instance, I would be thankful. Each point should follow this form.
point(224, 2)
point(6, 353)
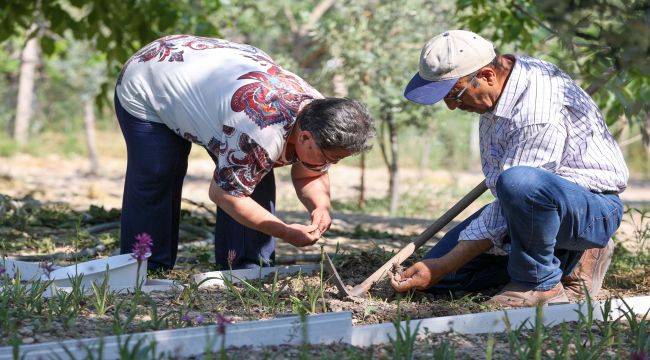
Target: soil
point(46, 222)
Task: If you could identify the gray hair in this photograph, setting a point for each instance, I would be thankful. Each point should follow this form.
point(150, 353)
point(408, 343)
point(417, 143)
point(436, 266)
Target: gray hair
point(338, 123)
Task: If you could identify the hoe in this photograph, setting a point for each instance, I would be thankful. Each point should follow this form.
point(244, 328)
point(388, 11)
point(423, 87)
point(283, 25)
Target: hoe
point(406, 251)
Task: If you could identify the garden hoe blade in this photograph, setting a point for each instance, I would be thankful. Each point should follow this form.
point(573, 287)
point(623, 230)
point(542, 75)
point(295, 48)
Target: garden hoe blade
point(329, 266)
point(410, 248)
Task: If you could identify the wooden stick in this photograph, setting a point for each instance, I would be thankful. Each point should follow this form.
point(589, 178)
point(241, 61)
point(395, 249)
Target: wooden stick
point(410, 248)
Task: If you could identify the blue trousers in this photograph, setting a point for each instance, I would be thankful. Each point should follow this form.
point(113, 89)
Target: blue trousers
point(551, 222)
point(156, 168)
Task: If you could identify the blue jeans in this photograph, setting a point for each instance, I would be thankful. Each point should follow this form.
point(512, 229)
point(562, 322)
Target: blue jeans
point(551, 222)
point(156, 168)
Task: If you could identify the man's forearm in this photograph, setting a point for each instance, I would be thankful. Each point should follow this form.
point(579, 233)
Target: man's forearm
point(313, 192)
point(248, 212)
point(463, 253)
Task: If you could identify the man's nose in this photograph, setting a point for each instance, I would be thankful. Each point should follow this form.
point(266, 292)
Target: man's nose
point(451, 104)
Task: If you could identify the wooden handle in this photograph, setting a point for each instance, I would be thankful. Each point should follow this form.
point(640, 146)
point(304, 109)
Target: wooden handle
point(427, 234)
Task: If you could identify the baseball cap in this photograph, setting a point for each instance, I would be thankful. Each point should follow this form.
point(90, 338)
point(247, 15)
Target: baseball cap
point(445, 59)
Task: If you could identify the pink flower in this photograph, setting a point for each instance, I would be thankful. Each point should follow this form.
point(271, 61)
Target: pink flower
point(142, 247)
point(222, 321)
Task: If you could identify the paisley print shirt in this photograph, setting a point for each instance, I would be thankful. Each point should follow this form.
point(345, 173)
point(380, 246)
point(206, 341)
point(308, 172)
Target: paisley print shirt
point(231, 98)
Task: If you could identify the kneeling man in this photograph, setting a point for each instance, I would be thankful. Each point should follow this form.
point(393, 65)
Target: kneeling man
point(550, 161)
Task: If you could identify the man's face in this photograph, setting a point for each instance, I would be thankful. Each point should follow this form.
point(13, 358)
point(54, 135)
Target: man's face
point(477, 99)
point(313, 157)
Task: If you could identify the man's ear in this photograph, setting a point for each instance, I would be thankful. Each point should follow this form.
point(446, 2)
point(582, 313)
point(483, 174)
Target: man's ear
point(489, 75)
point(304, 136)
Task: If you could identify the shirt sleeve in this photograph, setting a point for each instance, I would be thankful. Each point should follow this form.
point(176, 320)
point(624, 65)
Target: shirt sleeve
point(536, 145)
point(242, 163)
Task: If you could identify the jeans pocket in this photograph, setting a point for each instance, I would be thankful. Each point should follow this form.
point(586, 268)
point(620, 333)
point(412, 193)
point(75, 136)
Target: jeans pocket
point(600, 227)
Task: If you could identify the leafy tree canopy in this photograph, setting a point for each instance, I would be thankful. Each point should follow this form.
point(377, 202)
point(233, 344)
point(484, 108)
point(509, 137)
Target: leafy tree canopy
point(115, 28)
point(605, 44)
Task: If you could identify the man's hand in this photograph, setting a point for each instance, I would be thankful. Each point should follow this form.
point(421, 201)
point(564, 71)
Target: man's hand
point(301, 235)
point(419, 276)
point(320, 217)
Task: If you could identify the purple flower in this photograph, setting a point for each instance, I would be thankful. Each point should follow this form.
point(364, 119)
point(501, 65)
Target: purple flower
point(199, 319)
point(639, 355)
point(142, 247)
point(222, 321)
point(232, 256)
point(186, 318)
point(47, 267)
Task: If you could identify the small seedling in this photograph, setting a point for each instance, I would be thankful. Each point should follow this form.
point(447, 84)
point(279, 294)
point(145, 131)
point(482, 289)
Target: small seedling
point(404, 341)
point(102, 296)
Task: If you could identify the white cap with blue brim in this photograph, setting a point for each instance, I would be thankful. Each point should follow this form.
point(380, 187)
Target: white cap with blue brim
point(445, 59)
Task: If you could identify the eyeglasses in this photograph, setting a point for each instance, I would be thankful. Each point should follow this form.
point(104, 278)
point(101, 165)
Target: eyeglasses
point(318, 168)
point(457, 98)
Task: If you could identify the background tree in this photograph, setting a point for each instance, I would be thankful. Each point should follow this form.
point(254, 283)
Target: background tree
point(375, 54)
point(604, 44)
point(114, 29)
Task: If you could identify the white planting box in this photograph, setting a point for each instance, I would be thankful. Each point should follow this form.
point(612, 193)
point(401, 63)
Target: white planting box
point(122, 271)
point(491, 322)
point(320, 329)
point(29, 271)
point(216, 278)
point(150, 285)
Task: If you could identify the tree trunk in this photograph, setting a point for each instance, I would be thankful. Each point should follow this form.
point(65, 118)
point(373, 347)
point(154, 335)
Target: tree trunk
point(645, 133)
point(475, 144)
point(426, 152)
point(25, 102)
point(91, 144)
point(393, 169)
point(622, 133)
point(361, 201)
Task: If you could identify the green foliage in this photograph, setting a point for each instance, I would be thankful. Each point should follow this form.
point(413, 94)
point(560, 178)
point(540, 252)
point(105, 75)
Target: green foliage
point(116, 29)
point(404, 341)
point(376, 53)
point(102, 296)
point(603, 43)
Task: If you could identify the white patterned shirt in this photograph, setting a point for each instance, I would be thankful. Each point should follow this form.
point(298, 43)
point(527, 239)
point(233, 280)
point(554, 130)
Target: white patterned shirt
point(544, 119)
point(231, 98)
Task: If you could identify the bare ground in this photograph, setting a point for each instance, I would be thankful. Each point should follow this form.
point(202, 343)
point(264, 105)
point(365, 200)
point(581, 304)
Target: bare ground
point(375, 236)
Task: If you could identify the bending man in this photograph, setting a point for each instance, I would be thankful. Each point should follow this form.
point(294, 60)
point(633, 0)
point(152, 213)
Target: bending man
point(251, 115)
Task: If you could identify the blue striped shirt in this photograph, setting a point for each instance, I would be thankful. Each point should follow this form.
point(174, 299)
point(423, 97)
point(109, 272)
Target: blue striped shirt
point(544, 119)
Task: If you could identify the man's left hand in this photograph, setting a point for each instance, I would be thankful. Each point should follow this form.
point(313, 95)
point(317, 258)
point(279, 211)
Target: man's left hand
point(321, 218)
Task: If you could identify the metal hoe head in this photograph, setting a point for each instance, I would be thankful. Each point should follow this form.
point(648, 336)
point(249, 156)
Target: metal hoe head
point(329, 266)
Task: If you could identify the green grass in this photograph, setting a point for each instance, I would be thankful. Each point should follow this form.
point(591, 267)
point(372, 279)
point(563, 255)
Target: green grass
point(629, 270)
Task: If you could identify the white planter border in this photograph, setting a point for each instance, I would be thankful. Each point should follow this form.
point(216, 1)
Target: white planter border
point(490, 322)
point(216, 278)
point(321, 329)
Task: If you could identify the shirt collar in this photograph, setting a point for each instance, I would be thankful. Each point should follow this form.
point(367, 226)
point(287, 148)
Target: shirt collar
point(512, 91)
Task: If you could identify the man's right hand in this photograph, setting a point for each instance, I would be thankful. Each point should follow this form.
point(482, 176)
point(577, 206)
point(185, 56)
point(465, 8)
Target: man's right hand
point(419, 276)
point(300, 235)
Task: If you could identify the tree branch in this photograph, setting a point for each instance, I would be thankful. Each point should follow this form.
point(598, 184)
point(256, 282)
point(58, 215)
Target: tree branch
point(599, 83)
point(538, 21)
point(293, 24)
point(315, 15)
